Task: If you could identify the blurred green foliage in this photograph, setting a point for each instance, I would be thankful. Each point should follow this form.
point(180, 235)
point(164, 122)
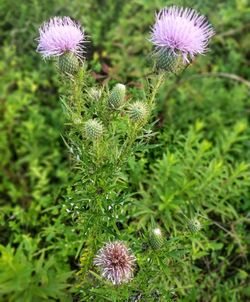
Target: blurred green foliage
point(198, 163)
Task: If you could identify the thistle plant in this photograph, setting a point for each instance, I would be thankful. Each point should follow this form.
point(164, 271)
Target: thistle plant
point(63, 38)
point(104, 128)
point(179, 34)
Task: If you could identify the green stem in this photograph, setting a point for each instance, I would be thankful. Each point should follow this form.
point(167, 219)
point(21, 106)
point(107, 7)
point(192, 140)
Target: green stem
point(135, 128)
point(171, 89)
point(159, 81)
point(77, 91)
point(127, 144)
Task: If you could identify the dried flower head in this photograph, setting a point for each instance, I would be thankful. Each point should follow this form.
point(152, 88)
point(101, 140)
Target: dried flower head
point(116, 262)
point(60, 35)
point(182, 31)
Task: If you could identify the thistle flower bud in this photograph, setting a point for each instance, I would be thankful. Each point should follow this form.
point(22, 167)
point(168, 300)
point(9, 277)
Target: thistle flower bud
point(93, 129)
point(68, 63)
point(116, 262)
point(194, 225)
point(117, 96)
point(138, 112)
point(168, 61)
point(76, 120)
point(156, 238)
point(95, 94)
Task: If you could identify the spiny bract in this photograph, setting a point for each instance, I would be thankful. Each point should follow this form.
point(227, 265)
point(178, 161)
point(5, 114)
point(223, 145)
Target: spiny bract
point(138, 112)
point(117, 96)
point(93, 129)
point(166, 61)
point(194, 225)
point(156, 238)
point(95, 93)
point(68, 63)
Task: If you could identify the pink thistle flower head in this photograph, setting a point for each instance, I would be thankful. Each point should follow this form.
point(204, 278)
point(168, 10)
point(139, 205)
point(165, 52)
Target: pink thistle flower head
point(116, 262)
point(181, 31)
point(60, 35)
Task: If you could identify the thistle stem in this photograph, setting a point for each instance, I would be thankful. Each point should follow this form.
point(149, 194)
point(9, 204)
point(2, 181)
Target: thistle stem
point(135, 128)
point(127, 144)
point(159, 81)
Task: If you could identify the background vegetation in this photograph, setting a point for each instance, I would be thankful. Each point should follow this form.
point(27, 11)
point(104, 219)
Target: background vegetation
point(199, 163)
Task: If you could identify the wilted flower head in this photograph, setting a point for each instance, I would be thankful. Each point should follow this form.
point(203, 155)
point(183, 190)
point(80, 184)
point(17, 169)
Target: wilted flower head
point(60, 35)
point(116, 262)
point(181, 31)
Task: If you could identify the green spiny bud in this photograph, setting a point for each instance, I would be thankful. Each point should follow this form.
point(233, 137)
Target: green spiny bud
point(68, 63)
point(76, 120)
point(168, 61)
point(93, 129)
point(156, 238)
point(117, 96)
point(194, 225)
point(138, 112)
point(95, 94)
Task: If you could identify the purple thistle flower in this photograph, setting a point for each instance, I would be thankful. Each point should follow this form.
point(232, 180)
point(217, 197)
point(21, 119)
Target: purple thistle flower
point(116, 262)
point(60, 35)
point(181, 31)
